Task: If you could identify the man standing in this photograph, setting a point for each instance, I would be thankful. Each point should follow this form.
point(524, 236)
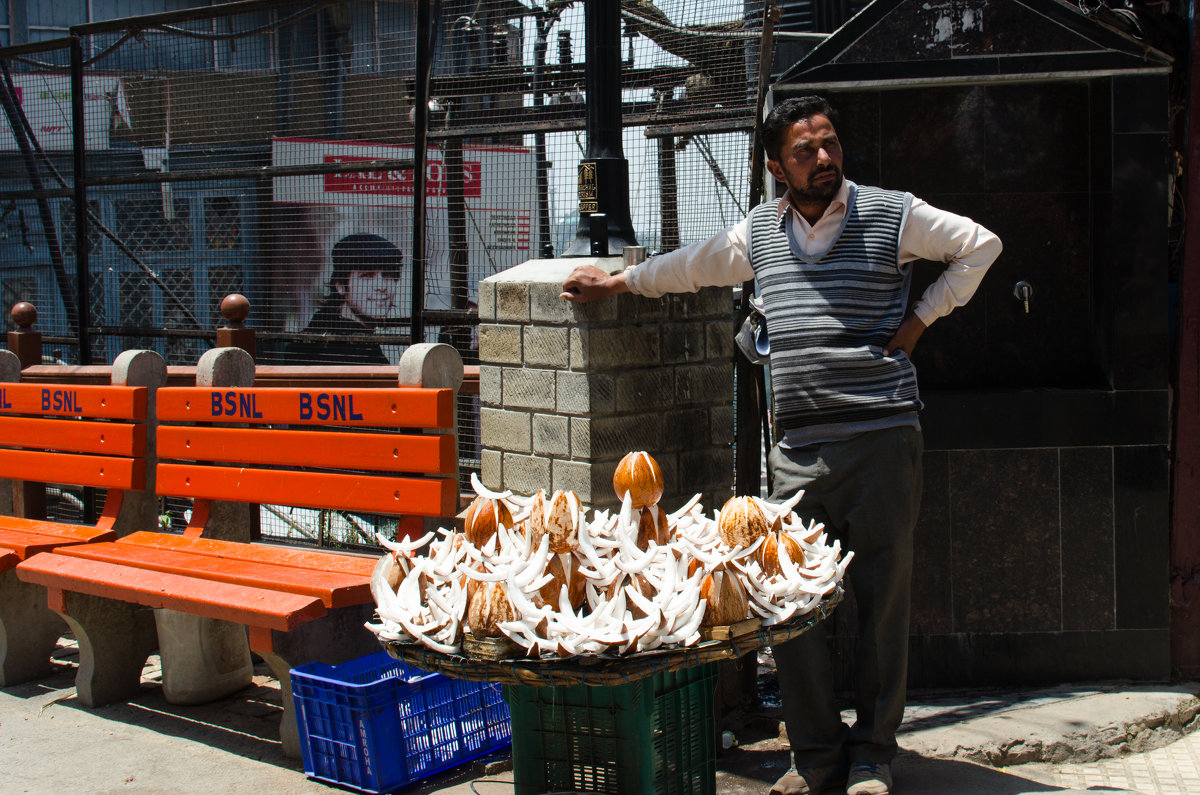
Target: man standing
point(363, 289)
point(831, 263)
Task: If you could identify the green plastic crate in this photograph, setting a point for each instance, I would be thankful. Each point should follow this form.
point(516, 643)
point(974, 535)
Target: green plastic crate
point(655, 736)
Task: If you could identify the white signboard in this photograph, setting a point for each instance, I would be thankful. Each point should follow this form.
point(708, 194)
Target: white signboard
point(45, 100)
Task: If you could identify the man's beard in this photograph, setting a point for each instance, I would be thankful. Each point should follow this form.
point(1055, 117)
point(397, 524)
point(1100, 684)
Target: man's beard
point(822, 192)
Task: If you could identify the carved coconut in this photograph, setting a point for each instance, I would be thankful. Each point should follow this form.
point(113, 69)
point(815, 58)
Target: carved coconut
point(482, 519)
point(774, 545)
point(563, 570)
point(488, 607)
point(639, 475)
point(640, 583)
point(560, 517)
point(653, 526)
point(741, 522)
point(725, 598)
point(562, 521)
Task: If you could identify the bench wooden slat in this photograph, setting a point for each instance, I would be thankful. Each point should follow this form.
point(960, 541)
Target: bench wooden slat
point(334, 589)
point(375, 451)
point(8, 560)
point(77, 436)
point(156, 589)
point(106, 472)
point(390, 495)
point(401, 407)
point(278, 555)
point(25, 543)
point(108, 402)
point(66, 533)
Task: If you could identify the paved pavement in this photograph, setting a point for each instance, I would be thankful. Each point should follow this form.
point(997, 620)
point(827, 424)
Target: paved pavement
point(1118, 738)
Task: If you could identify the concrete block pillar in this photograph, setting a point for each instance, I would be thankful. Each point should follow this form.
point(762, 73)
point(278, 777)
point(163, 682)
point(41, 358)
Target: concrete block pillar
point(568, 389)
point(204, 659)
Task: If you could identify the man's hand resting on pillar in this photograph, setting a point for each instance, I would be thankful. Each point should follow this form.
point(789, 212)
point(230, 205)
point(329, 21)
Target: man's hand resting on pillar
point(587, 283)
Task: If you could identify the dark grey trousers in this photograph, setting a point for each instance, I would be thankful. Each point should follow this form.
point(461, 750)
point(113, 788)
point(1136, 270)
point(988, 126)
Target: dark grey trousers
point(867, 491)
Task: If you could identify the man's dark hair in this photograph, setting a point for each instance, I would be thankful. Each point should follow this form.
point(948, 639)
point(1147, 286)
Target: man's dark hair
point(363, 252)
point(787, 113)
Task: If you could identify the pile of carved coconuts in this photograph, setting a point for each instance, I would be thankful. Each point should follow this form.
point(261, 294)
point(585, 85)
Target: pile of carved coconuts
point(537, 571)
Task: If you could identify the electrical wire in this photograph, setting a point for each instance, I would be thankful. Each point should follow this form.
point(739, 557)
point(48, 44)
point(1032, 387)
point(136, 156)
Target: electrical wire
point(241, 34)
point(715, 34)
point(178, 31)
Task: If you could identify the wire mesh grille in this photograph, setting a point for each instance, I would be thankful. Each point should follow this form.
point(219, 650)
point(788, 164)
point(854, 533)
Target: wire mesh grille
point(267, 149)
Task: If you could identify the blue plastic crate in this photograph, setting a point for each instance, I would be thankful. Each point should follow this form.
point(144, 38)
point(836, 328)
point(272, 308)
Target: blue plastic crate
point(376, 724)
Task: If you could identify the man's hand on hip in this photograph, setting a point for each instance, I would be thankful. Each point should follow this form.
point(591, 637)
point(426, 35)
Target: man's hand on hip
point(905, 339)
point(587, 283)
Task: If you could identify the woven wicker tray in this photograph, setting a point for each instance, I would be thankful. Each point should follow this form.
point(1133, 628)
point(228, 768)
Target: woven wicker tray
point(607, 670)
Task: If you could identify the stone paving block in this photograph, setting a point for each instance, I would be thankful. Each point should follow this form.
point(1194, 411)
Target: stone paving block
point(721, 423)
point(684, 342)
point(504, 429)
point(525, 474)
point(707, 468)
point(527, 388)
point(546, 307)
point(585, 393)
point(640, 309)
point(499, 344)
point(594, 438)
point(592, 481)
point(546, 346)
point(645, 390)
point(490, 470)
point(487, 300)
point(614, 348)
point(489, 384)
point(707, 302)
point(684, 429)
point(551, 435)
point(704, 383)
point(716, 301)
point(718, 340)
point(512, 302)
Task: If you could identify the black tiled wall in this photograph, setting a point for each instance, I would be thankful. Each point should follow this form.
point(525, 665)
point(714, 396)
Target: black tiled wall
point(1043, 540)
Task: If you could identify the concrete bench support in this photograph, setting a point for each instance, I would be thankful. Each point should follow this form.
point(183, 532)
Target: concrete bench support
point(204, 659)
point(115, 638)
point(29, 631)
point(331, 639)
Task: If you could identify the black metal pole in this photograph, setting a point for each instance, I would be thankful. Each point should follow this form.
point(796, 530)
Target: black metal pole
point(426, 9)
point(82, 245)
point(331, 65)
point(604, 172)
point(545, 245)
point(668, 190)
point(456, 222)
point(602, 77)
point(751, 391)
point(79, 147)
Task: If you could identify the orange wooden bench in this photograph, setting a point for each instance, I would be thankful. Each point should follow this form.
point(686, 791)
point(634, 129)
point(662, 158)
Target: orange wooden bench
point(89, 436)
point(373, 451)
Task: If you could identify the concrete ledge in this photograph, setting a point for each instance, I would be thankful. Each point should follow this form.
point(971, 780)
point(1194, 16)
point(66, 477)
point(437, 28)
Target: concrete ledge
point(1054, 725)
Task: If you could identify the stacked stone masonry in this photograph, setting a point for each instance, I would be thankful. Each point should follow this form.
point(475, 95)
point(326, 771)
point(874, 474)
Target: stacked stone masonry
point(568, 389)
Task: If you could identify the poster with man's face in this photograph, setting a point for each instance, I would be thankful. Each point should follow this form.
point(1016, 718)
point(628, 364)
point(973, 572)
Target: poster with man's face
point(322, 289)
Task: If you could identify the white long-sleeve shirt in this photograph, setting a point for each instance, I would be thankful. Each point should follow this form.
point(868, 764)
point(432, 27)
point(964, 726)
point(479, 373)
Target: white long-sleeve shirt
point(967, 248)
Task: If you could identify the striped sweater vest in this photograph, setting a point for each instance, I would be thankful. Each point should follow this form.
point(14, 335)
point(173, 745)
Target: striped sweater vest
point(830, 316)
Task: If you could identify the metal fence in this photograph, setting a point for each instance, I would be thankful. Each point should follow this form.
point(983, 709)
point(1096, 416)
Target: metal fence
point(272, 149)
